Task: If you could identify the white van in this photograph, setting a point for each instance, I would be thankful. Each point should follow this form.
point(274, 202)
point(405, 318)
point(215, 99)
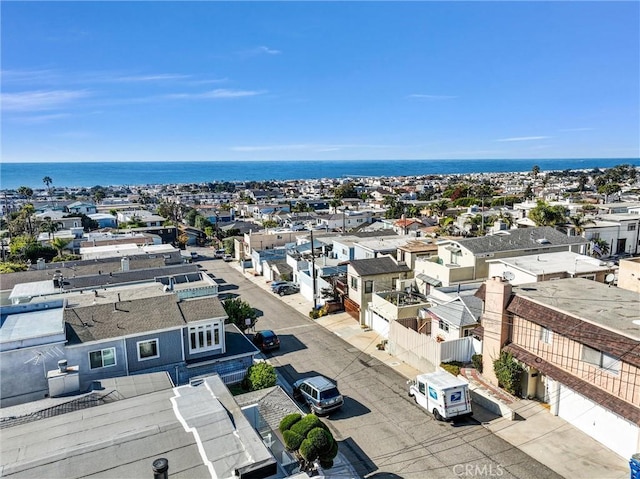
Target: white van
point(441, 393)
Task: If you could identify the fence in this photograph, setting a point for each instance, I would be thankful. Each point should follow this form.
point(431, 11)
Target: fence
point(422, 352)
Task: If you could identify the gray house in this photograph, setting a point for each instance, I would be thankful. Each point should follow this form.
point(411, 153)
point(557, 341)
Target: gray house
point(184, 337)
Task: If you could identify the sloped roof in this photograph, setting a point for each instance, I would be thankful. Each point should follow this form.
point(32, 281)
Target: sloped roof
point(520, 239)
point(111, 320)
point(380, 265)
point(460, 312)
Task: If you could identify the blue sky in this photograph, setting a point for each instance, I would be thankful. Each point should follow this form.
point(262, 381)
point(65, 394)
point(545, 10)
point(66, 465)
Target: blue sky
point(126, 81)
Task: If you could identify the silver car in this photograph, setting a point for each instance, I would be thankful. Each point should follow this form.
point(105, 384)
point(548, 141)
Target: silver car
point(320, 393)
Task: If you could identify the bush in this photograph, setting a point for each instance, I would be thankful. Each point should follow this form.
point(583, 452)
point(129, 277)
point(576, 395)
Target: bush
point(12, 267)
point(321, 439)
point(476, 360)
point(292, 441)
point(306, 424)
point(288, 421)
point(260, 376)
point(308, 451)
point(509, 372)
point(452, 367)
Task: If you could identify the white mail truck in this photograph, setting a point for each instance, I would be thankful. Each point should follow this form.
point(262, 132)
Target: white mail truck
point(441, 393)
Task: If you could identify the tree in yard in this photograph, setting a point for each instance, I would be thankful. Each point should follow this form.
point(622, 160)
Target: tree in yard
point(545, 215)
point(260, 376)
point(440, 207)
point(238, 312)
point(47, 181)
point(508, 372)
point(309, 439)
point(49, 226)
point(578, 223)
point(335, 203)
point(60, 244)
point(535, 171)
point(26, 192)
point(269, 223)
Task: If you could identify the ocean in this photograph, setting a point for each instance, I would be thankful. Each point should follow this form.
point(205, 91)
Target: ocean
point(14, 175)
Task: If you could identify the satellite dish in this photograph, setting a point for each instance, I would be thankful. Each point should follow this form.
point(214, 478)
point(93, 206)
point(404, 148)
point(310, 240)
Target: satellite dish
point(508, 275)
point(609, 278)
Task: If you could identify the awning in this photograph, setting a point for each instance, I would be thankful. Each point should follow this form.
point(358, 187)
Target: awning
point(429, 280)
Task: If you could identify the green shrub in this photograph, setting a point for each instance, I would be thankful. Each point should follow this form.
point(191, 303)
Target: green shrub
point(326, 463)
point(314, 313)
point(509, 372)
point(288, 421)
point(452, 367)
point(292, 441)
point(12, 267)
point(306, 424)
point(476, 360)
point(308, 451)
point(321, 440)
point(261, 375)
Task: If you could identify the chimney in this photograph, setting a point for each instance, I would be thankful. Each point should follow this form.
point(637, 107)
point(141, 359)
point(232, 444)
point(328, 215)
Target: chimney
point(495, 323)
point(62, 365)
point(124, 263)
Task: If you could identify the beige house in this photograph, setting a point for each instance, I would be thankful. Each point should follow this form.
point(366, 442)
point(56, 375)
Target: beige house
point(579, 343)
point(367, 276)
point(629, 275)
point(465, 260)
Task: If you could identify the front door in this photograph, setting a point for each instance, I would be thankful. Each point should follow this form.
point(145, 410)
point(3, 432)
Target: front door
point(622, 244)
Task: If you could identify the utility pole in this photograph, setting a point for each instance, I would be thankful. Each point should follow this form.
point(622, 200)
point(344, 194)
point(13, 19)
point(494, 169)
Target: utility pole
point(313, 273)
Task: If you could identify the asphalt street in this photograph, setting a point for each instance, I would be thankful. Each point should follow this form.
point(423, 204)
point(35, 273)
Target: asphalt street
point(380, 429)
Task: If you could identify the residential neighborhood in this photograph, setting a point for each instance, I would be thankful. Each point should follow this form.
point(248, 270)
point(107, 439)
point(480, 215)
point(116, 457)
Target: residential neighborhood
point(144, 303)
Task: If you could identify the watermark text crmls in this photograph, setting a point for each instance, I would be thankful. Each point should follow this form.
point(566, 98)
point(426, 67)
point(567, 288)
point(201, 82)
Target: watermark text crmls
point(478, 470)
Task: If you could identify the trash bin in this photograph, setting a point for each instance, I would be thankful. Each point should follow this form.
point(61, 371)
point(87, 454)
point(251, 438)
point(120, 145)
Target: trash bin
point(634, 465)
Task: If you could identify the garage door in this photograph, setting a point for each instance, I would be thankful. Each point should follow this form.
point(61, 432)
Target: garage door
point(618, 434)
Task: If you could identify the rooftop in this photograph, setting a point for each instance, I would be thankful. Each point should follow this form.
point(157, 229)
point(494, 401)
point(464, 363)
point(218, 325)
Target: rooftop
point(608, 307)
point(558, 262)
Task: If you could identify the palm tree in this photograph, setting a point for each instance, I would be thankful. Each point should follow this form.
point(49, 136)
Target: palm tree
point(535, 171)
point(47, 181)
point(440, 207)
point(27, 212)
point(26, 192)
point(578, 223)
point(334, 203)
point(599, 248)
point(50, 227)
point(60, 244)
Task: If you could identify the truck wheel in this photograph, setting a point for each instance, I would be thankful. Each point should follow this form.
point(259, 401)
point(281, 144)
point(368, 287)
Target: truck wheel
point(437, 415)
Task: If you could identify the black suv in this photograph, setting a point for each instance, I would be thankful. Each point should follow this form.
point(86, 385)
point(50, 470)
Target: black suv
point(266, 340)
point(319, 393)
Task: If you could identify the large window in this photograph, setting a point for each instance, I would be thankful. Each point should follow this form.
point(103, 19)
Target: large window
point(443, 325)
point(204, 338)
point(102, 358)
point(601, 359)
point(354, 283)
point(148, 349)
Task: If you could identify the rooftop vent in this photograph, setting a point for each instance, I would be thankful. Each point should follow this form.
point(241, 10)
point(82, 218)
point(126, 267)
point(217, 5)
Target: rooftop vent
point(543, 241)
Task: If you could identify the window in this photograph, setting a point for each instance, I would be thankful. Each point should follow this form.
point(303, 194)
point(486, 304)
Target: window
point(148, 349)
point(368, 286)
point(601, 359)
point(546, 335)
point(204, 338)
point(354, 283)
point(444, 326)
point(102, 358)
point(631, 227)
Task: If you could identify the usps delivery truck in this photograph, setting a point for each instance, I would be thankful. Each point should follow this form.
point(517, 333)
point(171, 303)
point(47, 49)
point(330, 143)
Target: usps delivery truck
point(441, 393)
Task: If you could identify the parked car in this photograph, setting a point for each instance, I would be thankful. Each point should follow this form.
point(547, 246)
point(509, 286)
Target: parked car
point(266, 340)
point(287, 289)
point(219, 254)
point(320, 393)
point(227, 258)
point(276, 284)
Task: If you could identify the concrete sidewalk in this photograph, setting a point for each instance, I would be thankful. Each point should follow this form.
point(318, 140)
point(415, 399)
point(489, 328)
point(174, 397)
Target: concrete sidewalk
point(546, 438)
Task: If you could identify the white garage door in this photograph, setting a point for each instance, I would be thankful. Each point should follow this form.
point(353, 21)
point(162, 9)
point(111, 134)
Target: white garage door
point(377, 323)
point(618, 434)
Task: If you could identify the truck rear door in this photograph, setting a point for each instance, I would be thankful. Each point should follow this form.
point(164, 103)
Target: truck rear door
point(457, 401)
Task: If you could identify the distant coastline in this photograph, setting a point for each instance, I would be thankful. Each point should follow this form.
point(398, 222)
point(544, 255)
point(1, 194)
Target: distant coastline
point(14, 175)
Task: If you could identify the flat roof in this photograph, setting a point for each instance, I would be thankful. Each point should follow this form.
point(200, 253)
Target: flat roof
point(200, 430)
point(35, 288)
point(609, 307)
point(558, 262)
point(33, 324)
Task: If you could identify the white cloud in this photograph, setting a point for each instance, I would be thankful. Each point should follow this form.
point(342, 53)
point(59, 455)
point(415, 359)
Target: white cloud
point(34, 119)
point(268, 51)
point(421, 96)
point(153, 77)
point(40, 99)
point(214, 94)
point(577, 129)
point(525, 138)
